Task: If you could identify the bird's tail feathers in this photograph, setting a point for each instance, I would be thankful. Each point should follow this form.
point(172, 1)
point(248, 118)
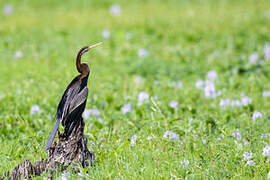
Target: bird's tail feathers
point(53, 133)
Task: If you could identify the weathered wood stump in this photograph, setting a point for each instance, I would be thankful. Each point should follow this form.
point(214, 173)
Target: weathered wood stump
point(70, 152)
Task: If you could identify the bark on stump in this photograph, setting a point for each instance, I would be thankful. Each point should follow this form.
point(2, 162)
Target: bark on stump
point(67, 152)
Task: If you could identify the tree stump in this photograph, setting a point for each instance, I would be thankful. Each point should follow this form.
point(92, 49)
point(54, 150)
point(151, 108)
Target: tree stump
point(66, 152)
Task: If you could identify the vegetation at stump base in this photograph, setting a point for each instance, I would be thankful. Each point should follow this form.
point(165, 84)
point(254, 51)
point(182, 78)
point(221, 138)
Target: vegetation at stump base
point(65, 154)
point(179, 89)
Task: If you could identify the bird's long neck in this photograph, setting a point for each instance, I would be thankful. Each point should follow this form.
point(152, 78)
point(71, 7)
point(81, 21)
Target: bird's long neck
point(78, 62)
point(82, 68)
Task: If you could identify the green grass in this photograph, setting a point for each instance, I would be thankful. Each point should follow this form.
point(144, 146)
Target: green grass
point(185, 39)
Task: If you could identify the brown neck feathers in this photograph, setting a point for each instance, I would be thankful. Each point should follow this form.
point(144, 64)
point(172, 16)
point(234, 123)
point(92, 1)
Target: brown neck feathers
point(78, 59)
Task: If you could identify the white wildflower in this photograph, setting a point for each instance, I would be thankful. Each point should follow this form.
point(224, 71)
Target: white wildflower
point(266, 151)
point(184, 163)
point(18, 54)
point(212, 75)
point(171, 135)
point(268, 176)
point(80, 174)
point(65, 176)
point(245, 100)
point(128, 35)
point(237, 135)
point(174, 104)
point(126, 97)
point(236, 103)
point(203, 141)
point(247, 156)
point(200, 84)
point(266, 135)
point(89, 112)
point(224, 102)
point(83, 176)
point(173, 176)
point(156, 82)
point(8, 9)
point(266, 94)
point(216, 53)
point(126, 108)
point(115, 10)
point(155, 98)
point(106, 33)
point(34, 109)
point(179, 85)
point(209, 89)
point(267, 15)
point(138, 80)
point(142, 53)
point(195, 136)
point(239, 146)
point(95, 112)
point(133, 140)
point(149, 138)
point(256, 115)
point(250, 163)
point(220, 138)
point(190, 119)
point(267, 51)
point(100, 120)
point(243, 56)
point(143, 96)
point(50, 117)
point(19, 91)
point(253, 58)
point(245, 142)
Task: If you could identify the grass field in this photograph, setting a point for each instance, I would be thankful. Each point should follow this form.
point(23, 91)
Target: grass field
point(156, 121)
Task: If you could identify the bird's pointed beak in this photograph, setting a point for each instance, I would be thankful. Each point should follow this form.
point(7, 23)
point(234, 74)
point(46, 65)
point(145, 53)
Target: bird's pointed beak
point(95, 45)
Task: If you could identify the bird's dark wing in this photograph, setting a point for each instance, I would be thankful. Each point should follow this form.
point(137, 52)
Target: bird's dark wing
point(62, 109)
point(78, 99)
point(74, 94)
point(69, 93)
point(64, 106)
point(74, 118)
point(76, 108)
point(52, 135)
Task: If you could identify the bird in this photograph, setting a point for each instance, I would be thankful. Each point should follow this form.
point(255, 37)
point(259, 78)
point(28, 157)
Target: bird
point(73, 101)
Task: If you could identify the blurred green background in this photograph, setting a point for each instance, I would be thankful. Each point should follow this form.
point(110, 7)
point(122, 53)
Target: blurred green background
point(159, 47)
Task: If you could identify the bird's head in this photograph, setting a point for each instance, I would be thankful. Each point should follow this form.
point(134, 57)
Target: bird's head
point(87, 48)
point(83, 68)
